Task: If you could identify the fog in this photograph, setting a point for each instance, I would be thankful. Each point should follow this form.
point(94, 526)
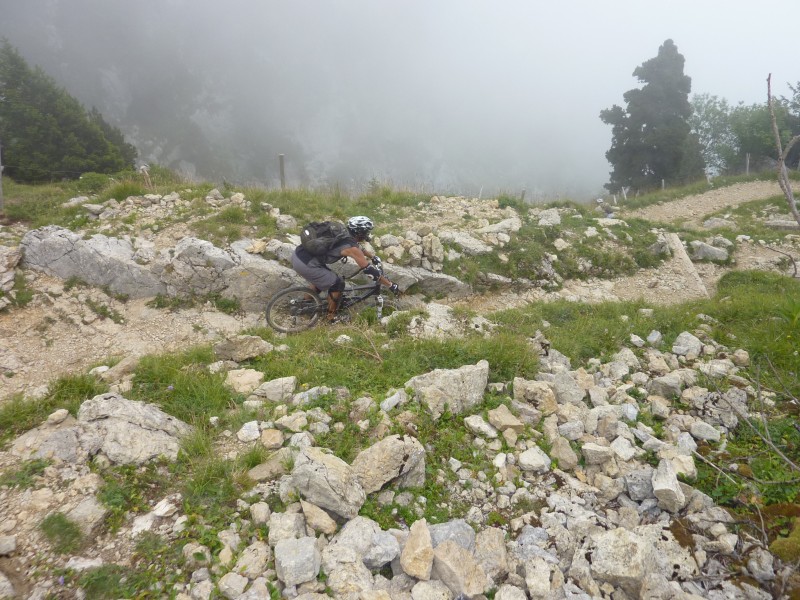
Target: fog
point(452, 96)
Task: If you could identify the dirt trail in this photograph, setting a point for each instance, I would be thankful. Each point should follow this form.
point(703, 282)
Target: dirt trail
point(58, 333)
point(691, 211)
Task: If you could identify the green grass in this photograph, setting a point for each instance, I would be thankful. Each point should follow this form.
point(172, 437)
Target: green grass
point(229, 306)
point(382, 203)
point(110, 582)
point(104, 311)
point(130, 489)
point(366, 368)
point(20, 294)
point(18, 415)
point(157, 566)
point(182, 386)
point(758, 311)
point(63, 534)
point(24, 476)
point(617, 250)
point(40, 205)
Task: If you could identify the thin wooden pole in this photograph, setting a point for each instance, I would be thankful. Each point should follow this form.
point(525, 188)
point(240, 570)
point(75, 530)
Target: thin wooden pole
point(1, 176)
point(283, 175)
point(747, 164)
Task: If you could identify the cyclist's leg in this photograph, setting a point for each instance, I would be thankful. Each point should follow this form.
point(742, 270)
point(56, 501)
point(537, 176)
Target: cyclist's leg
point(318, 276)
point(334, 297)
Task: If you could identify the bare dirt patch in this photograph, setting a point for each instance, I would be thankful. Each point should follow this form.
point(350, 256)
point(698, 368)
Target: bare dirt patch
point(59, 333)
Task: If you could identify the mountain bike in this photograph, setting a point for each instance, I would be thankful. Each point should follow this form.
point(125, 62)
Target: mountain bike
point(298, 308)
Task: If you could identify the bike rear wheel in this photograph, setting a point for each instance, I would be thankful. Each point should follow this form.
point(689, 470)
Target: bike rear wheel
point(294, 309)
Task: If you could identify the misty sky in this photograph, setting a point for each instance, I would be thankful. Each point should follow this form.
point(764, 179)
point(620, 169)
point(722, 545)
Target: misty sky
point(453, 95)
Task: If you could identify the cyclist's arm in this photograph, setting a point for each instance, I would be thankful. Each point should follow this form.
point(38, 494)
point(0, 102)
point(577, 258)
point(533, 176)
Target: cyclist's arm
point(358, 255)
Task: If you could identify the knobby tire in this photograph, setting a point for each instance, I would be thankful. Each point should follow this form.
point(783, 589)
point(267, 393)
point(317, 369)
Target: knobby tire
point(294, 309)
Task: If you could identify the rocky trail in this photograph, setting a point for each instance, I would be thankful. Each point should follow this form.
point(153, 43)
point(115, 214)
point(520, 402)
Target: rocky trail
point(58, 332)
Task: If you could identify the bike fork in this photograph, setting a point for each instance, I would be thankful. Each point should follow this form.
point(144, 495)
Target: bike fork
point(379, 306)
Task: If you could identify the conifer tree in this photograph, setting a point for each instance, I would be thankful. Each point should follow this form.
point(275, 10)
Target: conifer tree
point(46, 133)
point(651, 137)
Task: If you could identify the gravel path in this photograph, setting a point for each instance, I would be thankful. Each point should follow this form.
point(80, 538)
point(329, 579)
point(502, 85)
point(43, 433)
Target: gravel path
point(691, 211)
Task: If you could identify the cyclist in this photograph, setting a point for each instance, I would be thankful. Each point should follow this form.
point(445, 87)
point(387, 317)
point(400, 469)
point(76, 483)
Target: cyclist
point(315, 269)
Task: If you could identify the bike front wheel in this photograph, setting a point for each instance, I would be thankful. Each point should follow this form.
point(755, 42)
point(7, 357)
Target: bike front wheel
point(294, 309)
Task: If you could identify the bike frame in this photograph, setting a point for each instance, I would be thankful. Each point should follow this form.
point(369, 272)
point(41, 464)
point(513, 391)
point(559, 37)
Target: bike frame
point(358, 293)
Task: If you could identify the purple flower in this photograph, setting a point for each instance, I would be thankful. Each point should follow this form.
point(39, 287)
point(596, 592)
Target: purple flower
point(170, 388)
point(61, 580)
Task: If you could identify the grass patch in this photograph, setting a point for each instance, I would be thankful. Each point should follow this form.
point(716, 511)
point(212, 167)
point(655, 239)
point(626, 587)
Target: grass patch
point(751, 218)
point(25, 475)
point(104, 311)
point(112, 581)
point(63, 534)
point(229, 306)
point(366, 368)
point(182, 385)
point(214, 485)
point(615, 250)
point(760, 312)
point(20, 294)
point(18, 415)
point(130, 489)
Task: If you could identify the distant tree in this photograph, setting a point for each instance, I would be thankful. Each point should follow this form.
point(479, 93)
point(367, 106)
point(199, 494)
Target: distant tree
point(727, 134)
point(793, 122)
point(782, 151)
point(711, 123)
point(46, 133)
point(752, 127)
point(651, 138)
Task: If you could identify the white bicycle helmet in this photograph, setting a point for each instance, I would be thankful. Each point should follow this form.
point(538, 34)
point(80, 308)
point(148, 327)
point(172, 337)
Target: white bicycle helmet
point(360, 227)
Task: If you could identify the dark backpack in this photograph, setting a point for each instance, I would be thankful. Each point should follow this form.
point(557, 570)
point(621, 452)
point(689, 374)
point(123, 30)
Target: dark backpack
point(318, 238)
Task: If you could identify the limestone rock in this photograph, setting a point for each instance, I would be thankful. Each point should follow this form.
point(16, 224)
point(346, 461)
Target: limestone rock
point(459, 389)
point(297, 560)
point(457, 568)
point(318, 519)
point(502, 418)
point(244, 381)
point(277, 390)
point(327, 481)
point(253, 560)
point(132, 432)
point(416, 558)
point(534, 459)
point(242, 347)
point(400, 458)
point(620, 557)
point(667, 488)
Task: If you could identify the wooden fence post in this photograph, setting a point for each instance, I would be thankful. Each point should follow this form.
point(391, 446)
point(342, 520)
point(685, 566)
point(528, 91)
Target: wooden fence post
point(283, 175)
point(1, 176)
